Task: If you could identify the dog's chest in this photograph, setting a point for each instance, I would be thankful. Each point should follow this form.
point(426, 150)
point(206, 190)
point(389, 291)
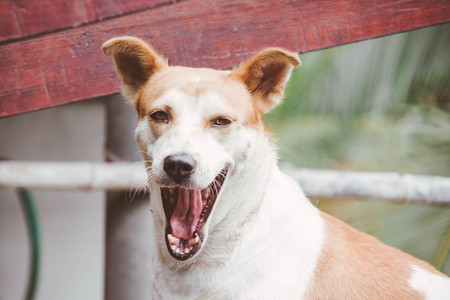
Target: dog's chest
point(273, 258)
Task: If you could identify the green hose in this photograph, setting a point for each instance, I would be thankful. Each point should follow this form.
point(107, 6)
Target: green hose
point(31, 217)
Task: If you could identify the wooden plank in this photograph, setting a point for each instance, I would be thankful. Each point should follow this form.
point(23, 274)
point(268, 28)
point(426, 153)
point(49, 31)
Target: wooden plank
point(68, 66)
point(22, 18)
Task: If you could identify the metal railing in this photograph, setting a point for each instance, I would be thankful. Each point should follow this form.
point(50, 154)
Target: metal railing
point(315, 183)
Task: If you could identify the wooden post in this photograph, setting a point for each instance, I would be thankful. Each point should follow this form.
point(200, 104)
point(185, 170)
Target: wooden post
point(128, 219)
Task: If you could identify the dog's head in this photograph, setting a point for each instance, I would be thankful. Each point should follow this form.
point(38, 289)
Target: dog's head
point(195, 128)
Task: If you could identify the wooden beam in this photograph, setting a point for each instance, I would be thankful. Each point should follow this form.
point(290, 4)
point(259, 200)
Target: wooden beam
point(68, 66)
point(20, 19)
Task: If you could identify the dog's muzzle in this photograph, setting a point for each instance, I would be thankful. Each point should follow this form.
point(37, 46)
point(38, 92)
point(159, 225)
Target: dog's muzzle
point(186, 209)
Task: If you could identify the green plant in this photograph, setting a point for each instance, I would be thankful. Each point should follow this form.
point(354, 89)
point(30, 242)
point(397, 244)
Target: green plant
point(377, 105)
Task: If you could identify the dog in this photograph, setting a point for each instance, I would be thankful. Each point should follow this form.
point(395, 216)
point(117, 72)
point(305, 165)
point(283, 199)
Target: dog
point(228, 223)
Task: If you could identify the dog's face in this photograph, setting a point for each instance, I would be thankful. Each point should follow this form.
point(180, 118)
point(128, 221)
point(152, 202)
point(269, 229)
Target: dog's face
point(192, 126)
point(195, 129)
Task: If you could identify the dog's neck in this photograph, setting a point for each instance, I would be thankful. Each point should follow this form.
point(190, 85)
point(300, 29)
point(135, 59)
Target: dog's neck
point(248, 185)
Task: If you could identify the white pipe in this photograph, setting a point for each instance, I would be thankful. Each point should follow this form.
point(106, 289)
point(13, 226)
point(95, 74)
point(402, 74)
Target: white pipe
point(315, 183)
point(389, 186)
point(71, 175)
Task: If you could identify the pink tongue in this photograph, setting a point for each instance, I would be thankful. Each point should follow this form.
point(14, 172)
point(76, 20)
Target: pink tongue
point(186, 214)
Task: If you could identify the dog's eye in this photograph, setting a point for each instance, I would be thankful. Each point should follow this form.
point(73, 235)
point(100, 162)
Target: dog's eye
point(160, 116)
point(221, 122)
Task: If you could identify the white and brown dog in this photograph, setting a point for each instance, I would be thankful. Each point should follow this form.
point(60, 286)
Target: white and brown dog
point(229, 224)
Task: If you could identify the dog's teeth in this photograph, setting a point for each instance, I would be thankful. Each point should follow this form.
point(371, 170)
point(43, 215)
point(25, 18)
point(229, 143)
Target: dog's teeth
point(173, 247)
point(172, 240)
point(177, 250)
point(195, 240)
point(172, 195)
point(207, 192)
point(186, 251)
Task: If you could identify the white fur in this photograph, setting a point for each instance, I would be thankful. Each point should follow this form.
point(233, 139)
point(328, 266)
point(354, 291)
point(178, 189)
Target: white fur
point(432, 286)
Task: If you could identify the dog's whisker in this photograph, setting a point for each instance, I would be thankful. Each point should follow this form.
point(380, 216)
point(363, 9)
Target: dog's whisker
point(135, 190)
point(131, 188)
point(139, 190)
point(151, 179)
point(143, 152)
point(215, 187)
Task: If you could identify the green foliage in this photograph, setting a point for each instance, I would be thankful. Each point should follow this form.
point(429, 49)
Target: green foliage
point(377, 105)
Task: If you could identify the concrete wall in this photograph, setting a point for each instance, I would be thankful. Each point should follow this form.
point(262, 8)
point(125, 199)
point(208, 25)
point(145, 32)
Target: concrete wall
point(72, 223)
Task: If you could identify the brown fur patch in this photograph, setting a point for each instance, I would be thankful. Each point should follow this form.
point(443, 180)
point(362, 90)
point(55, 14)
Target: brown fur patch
point(354, 265)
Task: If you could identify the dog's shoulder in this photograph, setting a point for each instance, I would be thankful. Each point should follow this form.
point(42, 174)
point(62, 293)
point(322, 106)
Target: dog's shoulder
point(341, 262)
point(355, 265)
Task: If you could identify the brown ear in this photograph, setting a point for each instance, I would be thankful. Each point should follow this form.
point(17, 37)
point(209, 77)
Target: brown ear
point(136, 62)
point(266, 74)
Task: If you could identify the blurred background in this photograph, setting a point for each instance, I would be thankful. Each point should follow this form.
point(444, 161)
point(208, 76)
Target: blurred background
point(376, 105)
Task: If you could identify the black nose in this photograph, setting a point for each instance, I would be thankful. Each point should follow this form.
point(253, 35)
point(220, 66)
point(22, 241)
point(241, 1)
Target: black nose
point(179, 166)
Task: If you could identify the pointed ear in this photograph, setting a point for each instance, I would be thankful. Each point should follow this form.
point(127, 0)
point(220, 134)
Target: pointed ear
point(135, 60)
point(266, 74)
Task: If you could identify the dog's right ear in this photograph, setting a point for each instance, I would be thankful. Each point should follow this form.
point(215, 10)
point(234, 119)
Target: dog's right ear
point(135, 60)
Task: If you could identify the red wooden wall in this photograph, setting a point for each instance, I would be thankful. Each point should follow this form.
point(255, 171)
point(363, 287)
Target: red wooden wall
point(50, 50)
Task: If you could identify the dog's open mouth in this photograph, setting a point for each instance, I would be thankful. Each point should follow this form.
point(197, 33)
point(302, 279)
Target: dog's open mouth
point(187, 211)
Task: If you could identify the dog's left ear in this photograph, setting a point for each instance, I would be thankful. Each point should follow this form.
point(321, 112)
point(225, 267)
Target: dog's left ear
point(136, 61)
point(266, 74)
